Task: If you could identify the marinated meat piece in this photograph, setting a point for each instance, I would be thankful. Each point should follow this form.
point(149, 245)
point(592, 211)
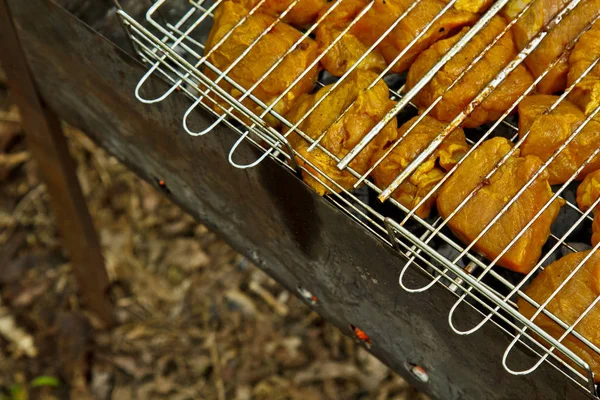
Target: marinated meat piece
point(569, 303)
point(540, 13)
point(303, 13)
point(549, 132)
point(384, 13)
point(474, 81)
point(423, 180)
point(474, 6)
point(341, 136)
point(596, 230)
point(491, 198)
point(587, 193)
point(586, 94)
point(259, 59)
point(349, 49)
point(368, 29)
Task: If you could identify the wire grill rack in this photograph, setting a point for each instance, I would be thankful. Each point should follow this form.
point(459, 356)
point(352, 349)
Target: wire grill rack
point(175, 51)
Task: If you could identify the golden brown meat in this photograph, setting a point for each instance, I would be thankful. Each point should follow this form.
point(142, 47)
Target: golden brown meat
point(540, 13)
point(380, 16)
point(474, 81)
point(489, 199)
point(549, 132)
point(349, 49)
point(259, 59)
point(586, 94)
point(569, 303)
point(422, 181)
point(384, 13)
point(587, 193)
point(474, 6)
point(303, 13)
point(596, 230)
point(343, 135)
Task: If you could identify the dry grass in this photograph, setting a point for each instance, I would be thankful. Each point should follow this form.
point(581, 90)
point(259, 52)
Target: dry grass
point(196, 320)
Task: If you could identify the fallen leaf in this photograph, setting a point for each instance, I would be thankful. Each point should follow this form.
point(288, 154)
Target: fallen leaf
point(242, 302)
point(8, 162)
point(29, 294)
point(10, 131)
point(186, 254)
point(22, 340)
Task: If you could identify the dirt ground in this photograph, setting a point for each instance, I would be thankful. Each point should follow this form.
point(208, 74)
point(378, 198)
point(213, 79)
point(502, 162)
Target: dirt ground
point(195, 319)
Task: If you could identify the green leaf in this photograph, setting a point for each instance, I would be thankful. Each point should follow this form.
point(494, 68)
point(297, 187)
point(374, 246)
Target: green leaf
point(18, 392)
point(42, 381)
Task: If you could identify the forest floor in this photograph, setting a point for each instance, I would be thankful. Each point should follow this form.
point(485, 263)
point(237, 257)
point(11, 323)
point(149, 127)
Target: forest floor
point(195, 319)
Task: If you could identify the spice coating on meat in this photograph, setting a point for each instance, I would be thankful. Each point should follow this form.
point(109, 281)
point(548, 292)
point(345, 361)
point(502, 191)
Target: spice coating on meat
point(587, 194)
point(548, 132)
point(586, 94)
point(342, 134)
point(569, 303)
point(492, 196)
point(381, 15)
point(303, 13)
point(349, 48)
point(475, 80)
point(551, 47)
point(263, 55)
point(384, 13)
point(429, 173)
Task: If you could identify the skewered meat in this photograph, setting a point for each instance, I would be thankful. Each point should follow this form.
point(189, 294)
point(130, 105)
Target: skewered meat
point(382, 15)
point(549, 132)
point(342, 133)
point(540, 13)
point(569, 303)
point(423, 180)
point(587, 193)
point(304, 12)
point(491, 197)
point(349, 49)
point(263, 55)
point(471, 84)
point(586, 94)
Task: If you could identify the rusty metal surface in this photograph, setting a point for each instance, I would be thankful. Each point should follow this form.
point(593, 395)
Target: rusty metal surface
point(268, 214)
point(57, 170)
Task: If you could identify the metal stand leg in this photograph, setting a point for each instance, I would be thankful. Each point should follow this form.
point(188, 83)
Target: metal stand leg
point(57, 169)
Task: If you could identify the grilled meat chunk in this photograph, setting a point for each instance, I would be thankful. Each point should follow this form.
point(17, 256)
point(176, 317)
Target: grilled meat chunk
point(586, 94)
point(423, 180)
point(596, 229)
point(474, 81)
point(549, 132)
point(474, 6)
point(349, 48)
point(263, 55)
point(384, 13)
point(303, 13)
point(377, 20)
point(551, 47)
point(569, 303)
point(587, 193)
point(491, 196)
point(342, 133)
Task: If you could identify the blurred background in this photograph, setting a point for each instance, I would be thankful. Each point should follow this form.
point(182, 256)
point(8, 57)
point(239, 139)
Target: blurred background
point(195, 319)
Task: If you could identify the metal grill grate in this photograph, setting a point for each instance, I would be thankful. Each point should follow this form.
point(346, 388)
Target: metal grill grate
point(175, 50)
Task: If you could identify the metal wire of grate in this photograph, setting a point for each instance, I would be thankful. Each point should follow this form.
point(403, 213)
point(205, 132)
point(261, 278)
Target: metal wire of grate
point(176, 52)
